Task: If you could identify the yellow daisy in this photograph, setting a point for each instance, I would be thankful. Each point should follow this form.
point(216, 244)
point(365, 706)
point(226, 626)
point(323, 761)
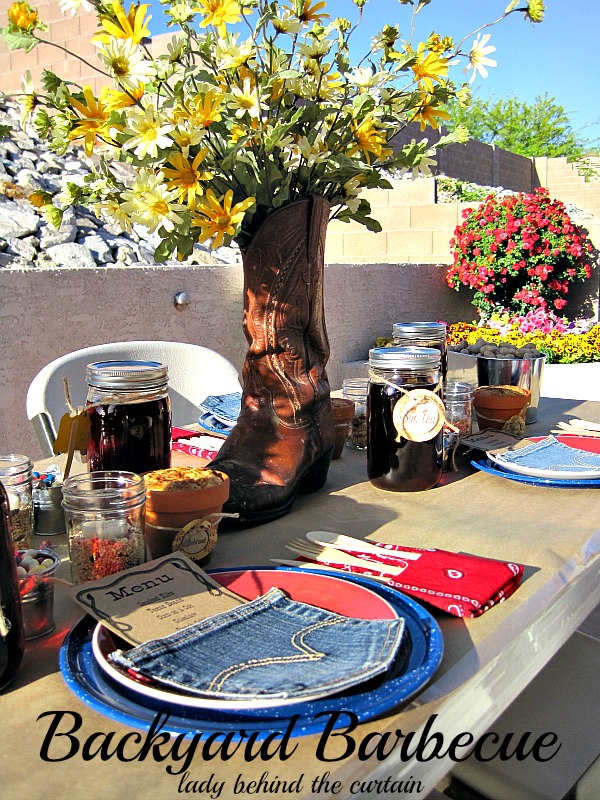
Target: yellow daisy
point(307, 11)
point(94, 124)
point(132, 26)
point(205, 109)
point(429, 67)
point(185, 177)
point(115, 100)
point(369, 140)
point(429, 114)
point(219, 13)
point(23, 16)
point(219, 220)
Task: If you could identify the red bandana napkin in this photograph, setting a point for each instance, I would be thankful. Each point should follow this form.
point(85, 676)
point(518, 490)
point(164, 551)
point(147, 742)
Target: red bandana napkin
point(463, 585)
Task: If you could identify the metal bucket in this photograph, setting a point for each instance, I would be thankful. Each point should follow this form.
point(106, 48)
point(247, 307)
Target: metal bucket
point(37, 598)
point(38, 610)
point(523, 372)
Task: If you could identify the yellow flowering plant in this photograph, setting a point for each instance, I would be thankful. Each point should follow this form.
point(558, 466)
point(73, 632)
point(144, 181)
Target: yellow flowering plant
point(253, 105)
point(576, 342)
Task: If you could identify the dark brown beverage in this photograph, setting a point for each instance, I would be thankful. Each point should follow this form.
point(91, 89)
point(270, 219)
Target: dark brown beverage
point(135, 437)
point(400, 466)
point(12, 638)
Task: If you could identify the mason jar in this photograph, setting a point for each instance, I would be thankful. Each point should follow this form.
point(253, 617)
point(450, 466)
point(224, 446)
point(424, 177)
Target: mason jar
point(356, 389)
point(422, 334)
point(458, 403)
point(16, 476)
point(129, 415)
point(405, 418)
point(104, 514)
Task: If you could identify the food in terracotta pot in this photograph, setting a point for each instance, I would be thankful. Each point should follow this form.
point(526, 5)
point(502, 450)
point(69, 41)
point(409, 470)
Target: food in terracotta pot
point(176, 497)
point(502, 408)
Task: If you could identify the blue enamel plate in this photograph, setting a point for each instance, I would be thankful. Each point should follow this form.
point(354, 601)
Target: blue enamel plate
point(418, 660)
point(486, 466)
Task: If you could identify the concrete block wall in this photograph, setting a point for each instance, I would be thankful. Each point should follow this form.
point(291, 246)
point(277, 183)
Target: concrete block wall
point(565, 182)
point(72, 33)
point(416, 229)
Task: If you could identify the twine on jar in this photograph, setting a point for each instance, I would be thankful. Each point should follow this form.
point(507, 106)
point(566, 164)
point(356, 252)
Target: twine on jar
point(380, 379)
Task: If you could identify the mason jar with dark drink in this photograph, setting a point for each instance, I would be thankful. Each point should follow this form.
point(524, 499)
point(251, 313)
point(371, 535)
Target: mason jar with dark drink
point(405, 419)
point(423, 334)
point(129, 415)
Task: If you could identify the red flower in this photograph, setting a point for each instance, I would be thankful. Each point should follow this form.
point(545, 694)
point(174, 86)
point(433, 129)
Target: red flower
point(506, 250)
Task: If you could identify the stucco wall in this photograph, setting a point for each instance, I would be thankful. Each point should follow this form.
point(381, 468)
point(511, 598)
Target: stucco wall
point(47, 313)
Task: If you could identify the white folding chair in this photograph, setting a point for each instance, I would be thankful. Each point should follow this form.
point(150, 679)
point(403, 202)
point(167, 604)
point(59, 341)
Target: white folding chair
point(194, 373)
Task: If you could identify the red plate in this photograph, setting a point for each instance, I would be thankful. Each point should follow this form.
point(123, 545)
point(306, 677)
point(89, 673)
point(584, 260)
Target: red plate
point(325, 591)
point(589, 443)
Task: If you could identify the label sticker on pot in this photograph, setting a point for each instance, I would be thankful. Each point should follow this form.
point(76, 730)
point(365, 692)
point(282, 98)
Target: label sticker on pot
point(196, 539)
point(418, 416)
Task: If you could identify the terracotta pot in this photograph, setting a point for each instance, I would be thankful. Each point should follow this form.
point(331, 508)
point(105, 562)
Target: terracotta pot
point(501, 407)
point(167, 512)
point(343, 414)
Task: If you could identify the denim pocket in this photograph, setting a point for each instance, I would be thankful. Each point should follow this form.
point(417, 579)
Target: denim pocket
point(271, 647)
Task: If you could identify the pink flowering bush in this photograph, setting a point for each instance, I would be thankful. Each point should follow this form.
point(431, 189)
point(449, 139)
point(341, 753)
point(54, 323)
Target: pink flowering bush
point(519, 253)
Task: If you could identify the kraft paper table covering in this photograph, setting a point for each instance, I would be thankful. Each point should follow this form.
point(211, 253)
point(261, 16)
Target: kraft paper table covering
point(554, 532)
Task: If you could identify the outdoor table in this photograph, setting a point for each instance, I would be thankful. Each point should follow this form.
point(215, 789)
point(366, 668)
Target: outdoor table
point(487, 661)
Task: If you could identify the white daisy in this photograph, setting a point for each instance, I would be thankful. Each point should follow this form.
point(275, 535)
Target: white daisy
point(72, 6)
point(478, 60)
point(147, 131)
point(126, 63)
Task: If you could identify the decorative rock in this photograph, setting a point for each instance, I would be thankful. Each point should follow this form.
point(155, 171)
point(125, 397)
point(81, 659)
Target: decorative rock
point(25, 248)
point(71, 255)
point(98, 248)
point(26, 240)
point(51, 237)
point(16, 222)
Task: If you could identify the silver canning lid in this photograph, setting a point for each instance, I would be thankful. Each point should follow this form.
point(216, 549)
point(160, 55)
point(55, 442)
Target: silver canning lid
point(419, 330)
point(126, 374)
point(404, 357)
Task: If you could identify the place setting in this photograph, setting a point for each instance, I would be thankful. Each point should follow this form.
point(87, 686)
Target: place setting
point(289, 644)
point(568, 457)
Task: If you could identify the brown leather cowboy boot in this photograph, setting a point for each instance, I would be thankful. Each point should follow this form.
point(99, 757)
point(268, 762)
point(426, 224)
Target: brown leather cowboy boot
point(283, 440)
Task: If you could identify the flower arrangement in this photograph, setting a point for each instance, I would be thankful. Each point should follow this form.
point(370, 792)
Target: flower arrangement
point(561, 341)
point(254, 104)
point(519, 253)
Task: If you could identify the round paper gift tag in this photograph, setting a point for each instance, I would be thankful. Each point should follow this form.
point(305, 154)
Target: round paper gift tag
point(418, 416)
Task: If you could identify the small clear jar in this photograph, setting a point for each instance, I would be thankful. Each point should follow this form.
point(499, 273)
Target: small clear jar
point(422, 334)
point(129, 415)
point(405, 418)
point(16, 476)
point(104, 513)
point(458, 402)
point(356, 389)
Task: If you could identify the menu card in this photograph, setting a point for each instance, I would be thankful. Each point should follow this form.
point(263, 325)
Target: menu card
point(155, 599)
point(490, 440)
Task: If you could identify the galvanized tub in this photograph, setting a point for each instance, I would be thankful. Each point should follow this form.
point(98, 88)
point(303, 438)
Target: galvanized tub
point(523, 372)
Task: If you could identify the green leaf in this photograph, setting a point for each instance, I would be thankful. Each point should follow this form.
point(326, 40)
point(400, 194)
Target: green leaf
point(18, 41)
point(5, 131)
point(288, 74)
point(52, 215)
point(163, 251)
point(51, 82)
